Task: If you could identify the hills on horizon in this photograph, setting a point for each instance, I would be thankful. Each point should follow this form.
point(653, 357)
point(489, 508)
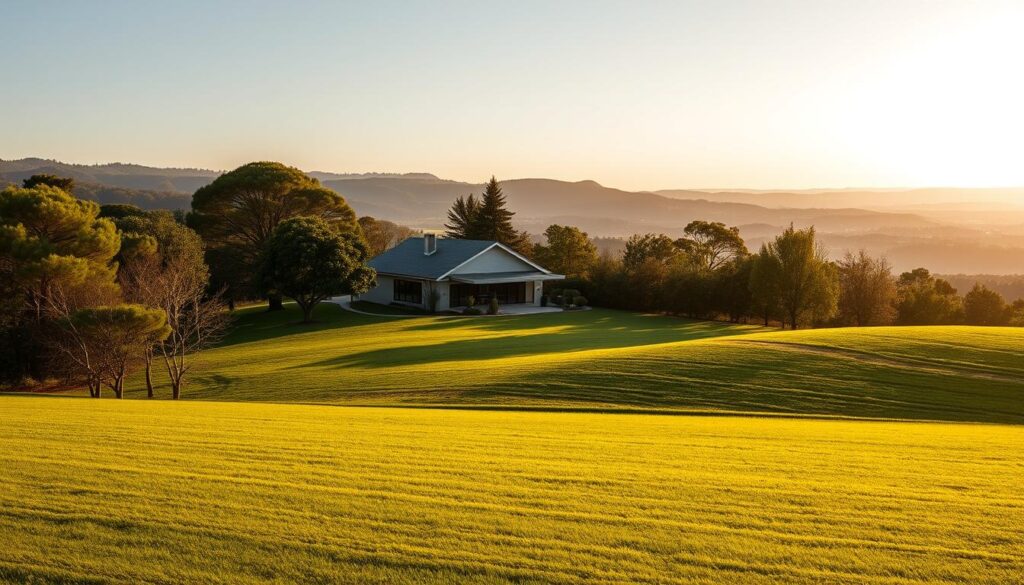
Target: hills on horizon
point(947, 230)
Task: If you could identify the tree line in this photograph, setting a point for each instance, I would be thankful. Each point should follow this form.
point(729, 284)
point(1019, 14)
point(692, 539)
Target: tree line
point(709, 273)
point(92, 293)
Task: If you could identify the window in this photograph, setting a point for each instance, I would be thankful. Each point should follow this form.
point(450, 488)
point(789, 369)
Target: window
point(408, 291)
point(506, 293)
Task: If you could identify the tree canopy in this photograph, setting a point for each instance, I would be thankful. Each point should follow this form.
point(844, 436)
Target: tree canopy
point(308, 261)
point(711, 245)
point(567, 251)
point(486, 218)
point(238, 211)
point(806, 279)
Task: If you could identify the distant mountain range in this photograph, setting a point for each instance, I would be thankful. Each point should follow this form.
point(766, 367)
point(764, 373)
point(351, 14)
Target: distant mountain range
point(947, 230)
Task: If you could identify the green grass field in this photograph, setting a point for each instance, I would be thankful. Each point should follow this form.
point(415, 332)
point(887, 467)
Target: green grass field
point(616, 360)
point(99, 491)
point(554, 468)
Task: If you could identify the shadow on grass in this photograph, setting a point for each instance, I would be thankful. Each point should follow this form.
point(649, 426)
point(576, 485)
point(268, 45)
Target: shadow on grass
point(256, 324)
point(533, 335)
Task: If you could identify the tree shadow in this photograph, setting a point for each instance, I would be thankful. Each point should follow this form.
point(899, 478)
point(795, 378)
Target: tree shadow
point(256, 324)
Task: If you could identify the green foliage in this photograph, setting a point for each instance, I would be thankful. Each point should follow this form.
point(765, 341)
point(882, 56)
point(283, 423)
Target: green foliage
point(237, 213)
point(579, 301)
point(641, 248)
point(382, 235)
point(711, 245)
point(486, 218)
point(492, 307)
point(807, 282)
point(55, 257)
point(107, 341)
point(462, 217)
point(64, 184)
point(983, 306)
point(117, 211)
point(926, 300)
point(567, 251)
point(867, 290)
point(307, 260)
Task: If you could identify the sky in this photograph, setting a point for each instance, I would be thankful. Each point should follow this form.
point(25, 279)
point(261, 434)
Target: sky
point(636, 95)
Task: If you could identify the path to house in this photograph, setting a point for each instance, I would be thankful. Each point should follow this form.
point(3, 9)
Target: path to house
point(345, 301)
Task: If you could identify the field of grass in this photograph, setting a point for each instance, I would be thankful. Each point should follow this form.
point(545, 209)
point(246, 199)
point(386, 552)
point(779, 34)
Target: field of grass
point(617, 360)
point(161, 492)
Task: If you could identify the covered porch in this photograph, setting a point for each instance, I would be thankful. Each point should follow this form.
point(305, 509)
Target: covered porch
point(509, 288)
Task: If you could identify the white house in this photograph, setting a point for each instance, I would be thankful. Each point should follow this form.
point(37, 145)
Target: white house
point(455, 270)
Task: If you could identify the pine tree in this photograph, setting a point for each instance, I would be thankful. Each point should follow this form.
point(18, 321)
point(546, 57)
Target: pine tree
point(462, 218)
point(493, 220)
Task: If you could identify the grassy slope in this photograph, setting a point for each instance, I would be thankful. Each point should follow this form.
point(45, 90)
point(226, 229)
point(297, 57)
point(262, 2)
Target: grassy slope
point(98, 491)
point(611, 359)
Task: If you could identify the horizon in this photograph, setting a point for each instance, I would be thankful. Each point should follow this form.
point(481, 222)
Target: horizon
point(645, 98)
point(710, 190)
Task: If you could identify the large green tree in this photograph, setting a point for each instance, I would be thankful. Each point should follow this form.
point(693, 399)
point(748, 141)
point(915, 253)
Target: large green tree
point(807, 281)
point(926, 300)
point(711, 245)
point(643, 247)
point(765, 284)
point(867, 290)
point(56, 256)
point(308, 261)
point(984, 306)
point(238, 211)
point(462, 219)
point(382, 235)
point(486, 218)
point(567, 251)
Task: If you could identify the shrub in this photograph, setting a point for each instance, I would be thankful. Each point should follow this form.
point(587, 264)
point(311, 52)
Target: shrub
point(471, 301)
point(580, 301)
point(471, 311)
point(492, 308)
point(568, 295)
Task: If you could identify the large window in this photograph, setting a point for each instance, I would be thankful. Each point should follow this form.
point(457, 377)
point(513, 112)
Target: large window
point(408, 291)
point(506, 293)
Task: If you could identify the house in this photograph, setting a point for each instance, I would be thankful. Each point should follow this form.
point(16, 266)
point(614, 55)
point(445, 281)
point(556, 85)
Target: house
point(455, 270)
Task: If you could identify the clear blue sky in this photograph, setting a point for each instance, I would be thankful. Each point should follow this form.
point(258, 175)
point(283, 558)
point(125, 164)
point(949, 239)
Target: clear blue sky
point(631, 94)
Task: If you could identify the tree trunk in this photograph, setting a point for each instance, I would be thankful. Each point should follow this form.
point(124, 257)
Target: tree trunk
point(175, 389)
point(307, 313)
point(149, 373)
point(275, 303)
point(119, 388)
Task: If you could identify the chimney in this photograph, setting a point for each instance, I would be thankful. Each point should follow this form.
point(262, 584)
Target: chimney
point(429, 244)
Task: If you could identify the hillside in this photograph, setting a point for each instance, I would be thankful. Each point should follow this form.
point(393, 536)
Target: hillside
point(99, 491)
point(962, 235)
point(612, 360)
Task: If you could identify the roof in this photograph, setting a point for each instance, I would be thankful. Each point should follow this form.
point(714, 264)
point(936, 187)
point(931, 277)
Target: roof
point(499, 277)
point(408, 259)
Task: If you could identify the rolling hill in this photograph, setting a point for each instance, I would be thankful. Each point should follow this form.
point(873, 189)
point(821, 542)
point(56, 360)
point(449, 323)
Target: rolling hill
point(617, 361)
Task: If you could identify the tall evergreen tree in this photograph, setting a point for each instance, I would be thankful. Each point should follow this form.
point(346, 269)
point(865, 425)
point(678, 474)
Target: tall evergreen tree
point(493, 220)
point(462, 218)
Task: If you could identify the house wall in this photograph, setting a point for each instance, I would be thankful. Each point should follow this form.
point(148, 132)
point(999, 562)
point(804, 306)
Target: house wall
point(384, 293)
point(494, 260)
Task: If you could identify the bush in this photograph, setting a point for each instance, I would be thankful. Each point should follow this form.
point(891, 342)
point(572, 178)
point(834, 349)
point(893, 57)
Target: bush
point(492, 308)
point(568, 295)
point(471, 311)
point(471, 301)
point(579, 301)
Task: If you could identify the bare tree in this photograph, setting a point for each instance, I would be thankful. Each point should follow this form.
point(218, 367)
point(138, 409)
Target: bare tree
point(867, 290)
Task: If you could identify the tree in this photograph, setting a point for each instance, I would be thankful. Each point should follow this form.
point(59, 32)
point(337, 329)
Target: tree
point(106, 342)
point(568, 251)
point(1016, 311)
point(55, 257)
point(63, 183)
point(462, 219)
point(640, 248)
point(867, 290)
point(307, 261)
point(493, 220)
point(711, 245)
point(807, 281)
point(238, 211)
point(162, 266)
point(983, 306)
point(382, 235)
point(926, 300)
point(765, 283)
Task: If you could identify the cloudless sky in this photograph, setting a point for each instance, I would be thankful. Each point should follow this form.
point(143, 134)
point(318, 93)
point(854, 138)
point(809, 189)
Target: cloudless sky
point(637, 95)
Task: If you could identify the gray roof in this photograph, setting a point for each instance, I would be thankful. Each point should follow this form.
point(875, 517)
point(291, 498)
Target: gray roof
point(499, 277)
point(408, 259)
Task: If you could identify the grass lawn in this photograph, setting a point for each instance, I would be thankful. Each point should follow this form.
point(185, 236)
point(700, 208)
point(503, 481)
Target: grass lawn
point(127, 492)
point(604, 359)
